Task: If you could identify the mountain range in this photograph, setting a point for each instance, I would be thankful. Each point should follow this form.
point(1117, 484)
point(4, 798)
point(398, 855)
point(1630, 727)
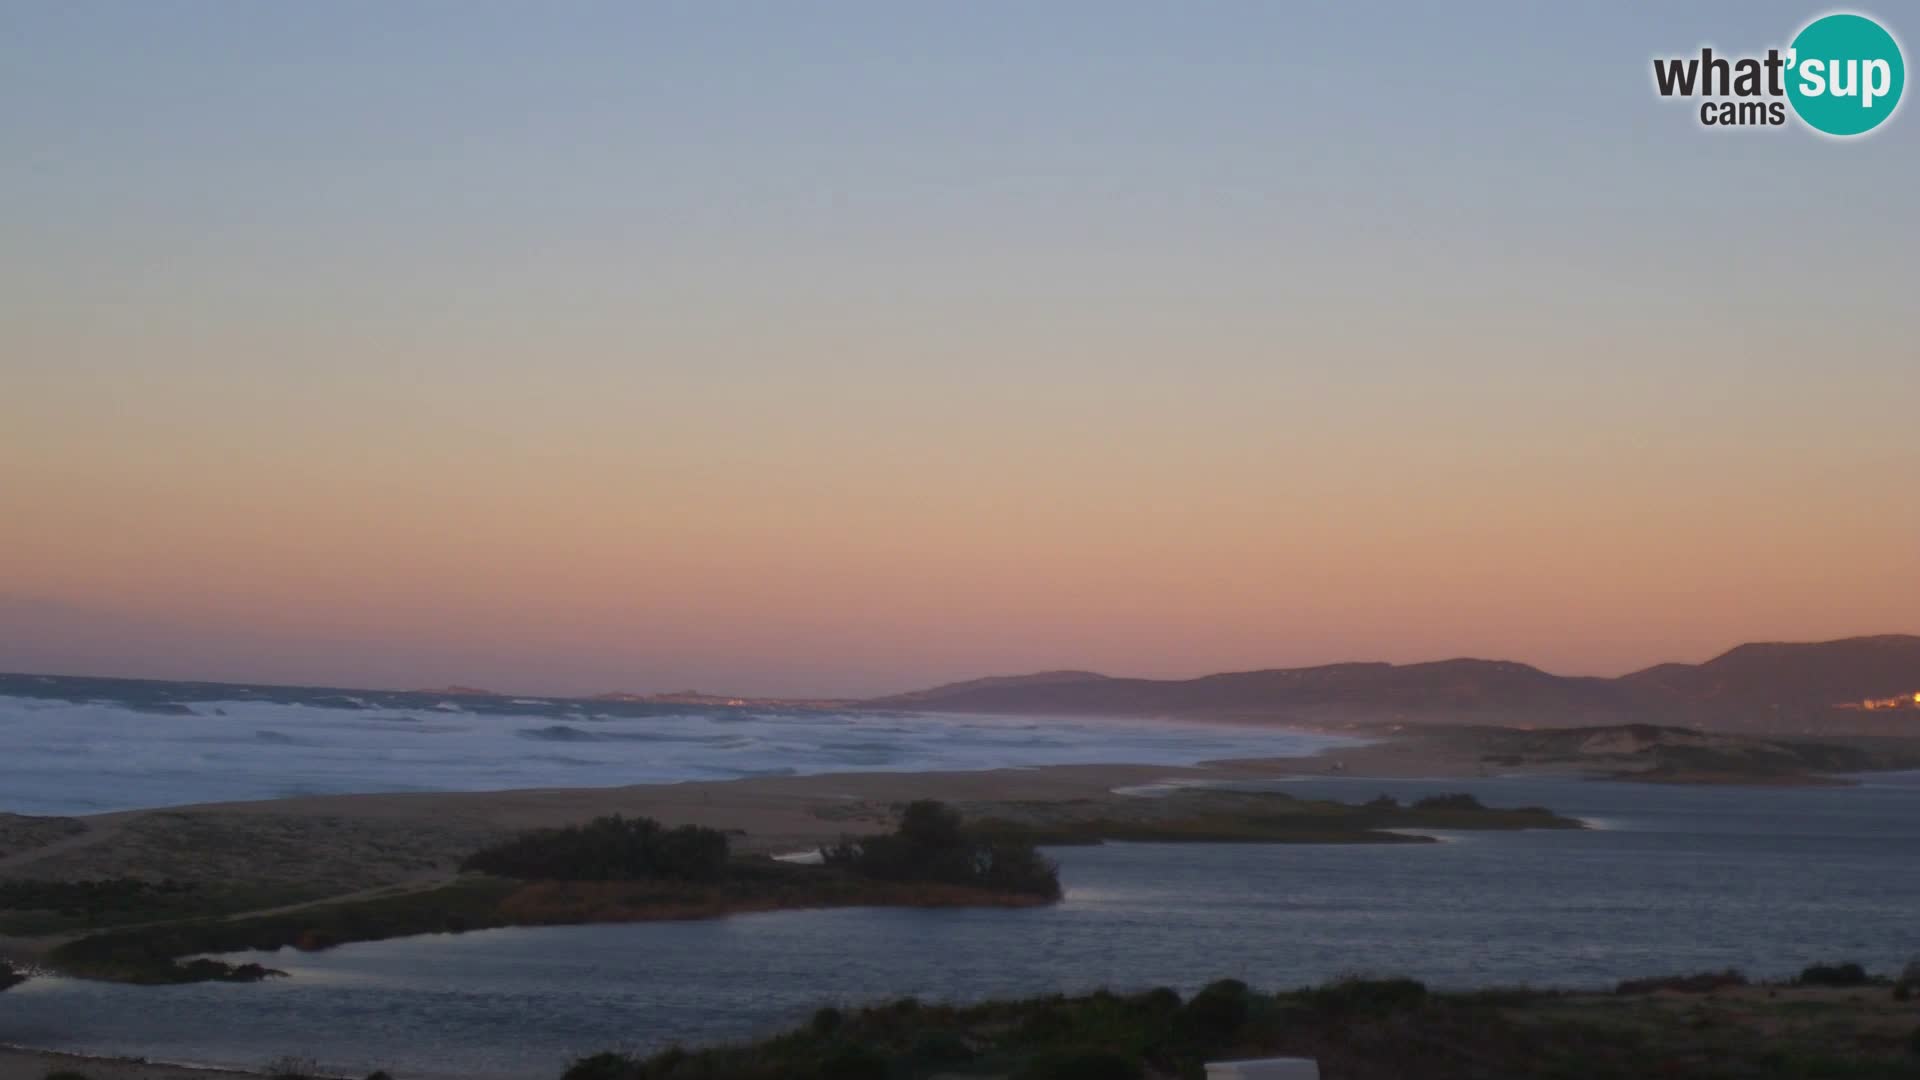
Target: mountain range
point(1862, 684)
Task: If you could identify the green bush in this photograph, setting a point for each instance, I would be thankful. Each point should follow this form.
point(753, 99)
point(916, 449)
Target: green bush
point(931, 845)
point(853, 1063)
point(1848, 974)
point(603, 1066)
point(1455, 801)
point(66, 1074)
point(1376, 997)
point(940, 1048)
point(1160, 999)
point(1087, 1064)
point(1702, 983)
point(608, 849)
point(1217, 1011)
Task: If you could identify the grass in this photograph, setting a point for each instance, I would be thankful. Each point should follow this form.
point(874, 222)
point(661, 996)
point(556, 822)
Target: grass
point(31, 908)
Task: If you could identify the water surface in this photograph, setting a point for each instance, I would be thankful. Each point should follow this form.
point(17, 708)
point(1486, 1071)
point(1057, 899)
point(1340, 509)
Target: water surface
point(1677, 879)
point(78, 746)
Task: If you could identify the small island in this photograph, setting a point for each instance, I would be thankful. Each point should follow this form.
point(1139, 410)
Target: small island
point(631, 869)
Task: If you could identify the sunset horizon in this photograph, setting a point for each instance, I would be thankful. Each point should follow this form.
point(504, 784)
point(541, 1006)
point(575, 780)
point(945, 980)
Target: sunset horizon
point(557, 357)
point(650, 540)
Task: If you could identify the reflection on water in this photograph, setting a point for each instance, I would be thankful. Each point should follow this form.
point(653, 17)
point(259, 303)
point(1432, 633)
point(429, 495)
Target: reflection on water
point(1683, 879)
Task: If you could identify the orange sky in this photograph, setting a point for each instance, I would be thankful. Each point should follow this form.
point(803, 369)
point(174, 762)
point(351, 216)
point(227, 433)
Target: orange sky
point(754, 539)
point(593, 371)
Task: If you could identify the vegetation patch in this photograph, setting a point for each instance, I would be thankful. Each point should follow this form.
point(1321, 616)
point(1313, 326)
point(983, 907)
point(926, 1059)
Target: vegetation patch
point(1847, 974)
point(1244, 817)
point(1357, 1029)
point(609, 870)
point(932, 846)
point(30, 908)
point(608, 849)
point(1705, 982)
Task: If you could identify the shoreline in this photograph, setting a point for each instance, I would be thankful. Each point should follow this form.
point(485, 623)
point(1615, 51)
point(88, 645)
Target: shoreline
point(33, 1063)
point(277, 856)
point(354, 843)
point(1346, 1015)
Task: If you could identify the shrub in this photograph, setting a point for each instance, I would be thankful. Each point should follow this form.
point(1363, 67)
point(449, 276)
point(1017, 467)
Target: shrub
point(853, 1063)
point(1369, 996)
point(1703, 983)
point(827, 1021)
point(1087, 1064)
point(1902, 991)
point(1046, 1024)
point(1160, 999)
point(603, 1066)
point(608, 849)
point(1848, 974)
point(1458, 800)
point(66, 1074)
point(941, 1048)
point(930, 845)
point(1217, 1011)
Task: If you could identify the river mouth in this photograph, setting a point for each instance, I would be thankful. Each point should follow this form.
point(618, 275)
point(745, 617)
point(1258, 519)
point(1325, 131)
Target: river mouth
point(1684, 879)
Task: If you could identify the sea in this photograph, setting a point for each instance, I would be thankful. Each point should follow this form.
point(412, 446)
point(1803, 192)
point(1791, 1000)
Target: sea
point(1666, 879)
point(86, 745)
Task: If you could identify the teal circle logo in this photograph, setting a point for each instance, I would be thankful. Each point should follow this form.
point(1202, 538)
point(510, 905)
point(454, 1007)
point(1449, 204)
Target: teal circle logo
point(1845, 74)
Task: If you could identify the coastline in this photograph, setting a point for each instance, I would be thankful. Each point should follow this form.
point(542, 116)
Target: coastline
point(766, 815)
point(279, 856)
point(27, 1063)
point(316, 848)
point(311, 851)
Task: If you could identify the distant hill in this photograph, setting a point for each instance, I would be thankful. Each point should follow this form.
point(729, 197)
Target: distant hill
point(1777, 684)
point(1775, 687)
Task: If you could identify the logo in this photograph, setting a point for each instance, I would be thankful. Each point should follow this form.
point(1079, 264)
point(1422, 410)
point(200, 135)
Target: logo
point(1841, 76)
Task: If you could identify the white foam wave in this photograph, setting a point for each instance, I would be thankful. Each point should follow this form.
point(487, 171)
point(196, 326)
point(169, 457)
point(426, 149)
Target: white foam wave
point(61, 757)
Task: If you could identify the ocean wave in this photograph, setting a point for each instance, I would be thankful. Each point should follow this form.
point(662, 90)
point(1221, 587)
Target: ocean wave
point(60, 750)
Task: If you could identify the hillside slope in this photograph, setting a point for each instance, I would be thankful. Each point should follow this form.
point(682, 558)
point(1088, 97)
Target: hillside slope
point(1821, 686)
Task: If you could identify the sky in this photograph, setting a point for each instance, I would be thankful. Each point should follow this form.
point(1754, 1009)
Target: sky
point(848, 348)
